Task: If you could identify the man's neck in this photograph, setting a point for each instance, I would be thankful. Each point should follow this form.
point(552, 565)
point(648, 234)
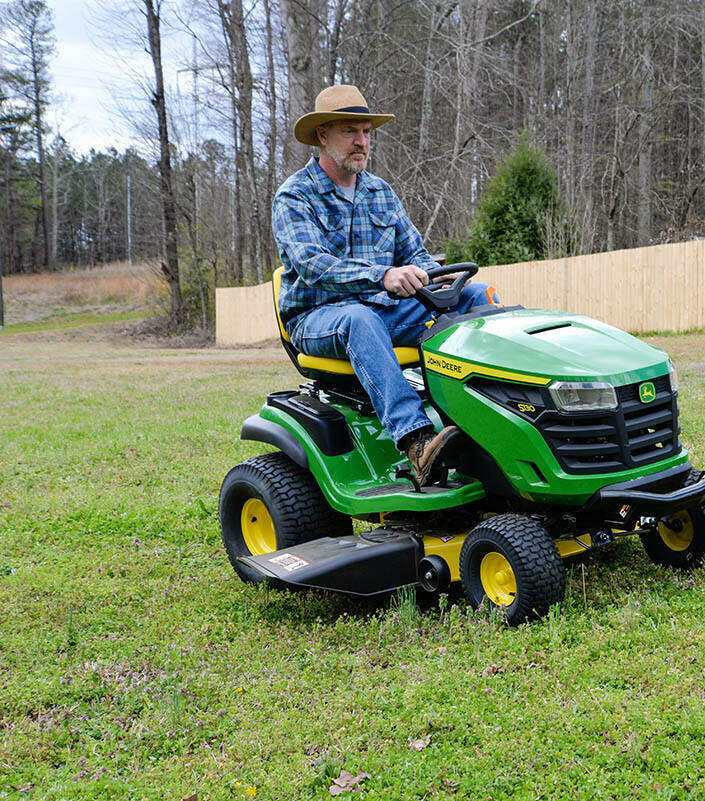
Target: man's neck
point(333, 171)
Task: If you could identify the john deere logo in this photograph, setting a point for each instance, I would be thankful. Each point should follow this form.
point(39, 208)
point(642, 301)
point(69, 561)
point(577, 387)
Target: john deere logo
point(647, 392)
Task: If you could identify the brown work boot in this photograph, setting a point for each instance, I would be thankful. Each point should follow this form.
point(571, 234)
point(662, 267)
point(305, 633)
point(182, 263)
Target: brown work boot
point(425, 449)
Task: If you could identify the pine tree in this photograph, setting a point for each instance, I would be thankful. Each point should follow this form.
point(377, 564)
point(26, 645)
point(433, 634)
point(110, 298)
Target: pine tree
point(520, 217)
point(27, 48)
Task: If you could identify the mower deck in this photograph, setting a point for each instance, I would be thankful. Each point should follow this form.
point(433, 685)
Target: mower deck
point(366, 564)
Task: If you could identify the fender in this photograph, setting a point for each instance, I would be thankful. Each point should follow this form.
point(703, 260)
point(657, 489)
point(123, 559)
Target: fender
point(259, 430)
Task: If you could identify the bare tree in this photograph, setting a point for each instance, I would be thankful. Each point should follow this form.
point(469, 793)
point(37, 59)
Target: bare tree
point(300, 24)
point(235, 35)
point(153, 10)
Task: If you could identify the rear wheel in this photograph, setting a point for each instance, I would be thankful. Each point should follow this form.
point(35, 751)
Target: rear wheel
point(511, 560)
point(269, 502)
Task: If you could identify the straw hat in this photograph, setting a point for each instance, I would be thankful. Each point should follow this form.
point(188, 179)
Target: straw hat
point(341, 102)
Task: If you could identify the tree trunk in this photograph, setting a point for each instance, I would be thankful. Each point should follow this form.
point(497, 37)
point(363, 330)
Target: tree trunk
point(55, 204)
point(426, 94)
point(298, 24)
point(646, 111)
point(334, 40)
point(233, 23)
point(702, 80)
point(588, 133)
point(273, 135)
point(570, 110)
point(11, 247)
point(36, 95)
point(171, 267)
point(191, 217)
point(517, 101)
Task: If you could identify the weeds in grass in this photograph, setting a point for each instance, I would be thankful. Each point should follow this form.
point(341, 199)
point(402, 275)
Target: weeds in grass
point(326, 767)
point(175, 709)
point(71, 632)
point(404, 608)
point(442, 607)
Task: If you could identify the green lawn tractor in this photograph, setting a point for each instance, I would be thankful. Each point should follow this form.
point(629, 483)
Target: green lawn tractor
point(568, 439)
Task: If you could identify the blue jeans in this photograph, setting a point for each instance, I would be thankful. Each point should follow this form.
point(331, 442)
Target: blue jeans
point(365, 335)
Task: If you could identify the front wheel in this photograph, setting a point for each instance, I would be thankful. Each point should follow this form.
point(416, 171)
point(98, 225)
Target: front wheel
point(679, 541)
point(511, 560)
point(268, 503)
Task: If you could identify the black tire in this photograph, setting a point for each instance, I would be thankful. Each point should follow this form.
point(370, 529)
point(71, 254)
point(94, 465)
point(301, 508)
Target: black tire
point(538, 575)
point(292, 498)
point(680, 539)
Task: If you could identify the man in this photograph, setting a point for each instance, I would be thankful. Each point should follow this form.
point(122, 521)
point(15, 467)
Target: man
point(346, 242)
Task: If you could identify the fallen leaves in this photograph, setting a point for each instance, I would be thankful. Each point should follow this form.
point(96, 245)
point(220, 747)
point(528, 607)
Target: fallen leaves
point(347, 783)
point(420, 743)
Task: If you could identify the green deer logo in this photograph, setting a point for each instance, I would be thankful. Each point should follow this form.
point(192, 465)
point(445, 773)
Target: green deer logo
point(647, 392)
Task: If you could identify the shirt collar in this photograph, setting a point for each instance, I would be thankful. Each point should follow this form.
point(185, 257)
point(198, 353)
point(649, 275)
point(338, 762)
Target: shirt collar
point(365, 180)
point(321, 179)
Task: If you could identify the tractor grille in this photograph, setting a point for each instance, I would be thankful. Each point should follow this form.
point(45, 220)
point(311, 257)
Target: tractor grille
point(633, 435)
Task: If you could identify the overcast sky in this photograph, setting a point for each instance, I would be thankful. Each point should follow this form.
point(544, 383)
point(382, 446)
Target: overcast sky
point(88, 82)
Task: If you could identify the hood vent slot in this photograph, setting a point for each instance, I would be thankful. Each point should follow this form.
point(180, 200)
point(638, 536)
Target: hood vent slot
point(544, 328)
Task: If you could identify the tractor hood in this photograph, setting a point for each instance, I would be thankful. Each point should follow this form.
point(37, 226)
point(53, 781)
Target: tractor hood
point(522, 344)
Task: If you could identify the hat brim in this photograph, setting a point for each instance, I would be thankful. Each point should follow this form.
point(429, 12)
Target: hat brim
point(305, 128)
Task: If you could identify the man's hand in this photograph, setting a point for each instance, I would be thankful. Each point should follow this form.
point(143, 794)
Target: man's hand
point(447, 280)
point(404, 280)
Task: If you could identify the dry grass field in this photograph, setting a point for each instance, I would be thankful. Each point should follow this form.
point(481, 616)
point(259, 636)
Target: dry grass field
point(115, 287)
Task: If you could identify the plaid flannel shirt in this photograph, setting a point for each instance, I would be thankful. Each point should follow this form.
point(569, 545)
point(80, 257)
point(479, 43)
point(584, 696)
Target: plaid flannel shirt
point(335, 250)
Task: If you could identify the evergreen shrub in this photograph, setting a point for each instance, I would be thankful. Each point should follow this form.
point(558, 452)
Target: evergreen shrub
point(520, 216)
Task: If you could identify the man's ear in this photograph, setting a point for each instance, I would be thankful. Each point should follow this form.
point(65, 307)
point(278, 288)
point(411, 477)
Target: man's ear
point(322, 134)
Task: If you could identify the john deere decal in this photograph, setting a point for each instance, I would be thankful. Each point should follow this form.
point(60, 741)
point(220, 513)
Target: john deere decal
point(647, 392)
point(459, 369)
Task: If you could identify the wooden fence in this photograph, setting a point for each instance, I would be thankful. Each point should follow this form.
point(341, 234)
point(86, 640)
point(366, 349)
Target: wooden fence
point(657, 288)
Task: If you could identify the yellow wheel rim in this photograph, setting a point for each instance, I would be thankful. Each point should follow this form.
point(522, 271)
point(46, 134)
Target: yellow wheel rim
point(677, 532)
point(257, 527)
point(498, 580)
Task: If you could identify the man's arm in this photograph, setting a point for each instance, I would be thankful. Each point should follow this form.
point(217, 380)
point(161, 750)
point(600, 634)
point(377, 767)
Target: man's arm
point(299, 234)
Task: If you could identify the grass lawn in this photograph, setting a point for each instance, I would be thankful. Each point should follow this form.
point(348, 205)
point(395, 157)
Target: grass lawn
point(134, 664)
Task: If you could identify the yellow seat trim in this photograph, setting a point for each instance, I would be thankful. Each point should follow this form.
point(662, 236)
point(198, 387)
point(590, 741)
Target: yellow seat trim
point(405, 356)
point(276, 287)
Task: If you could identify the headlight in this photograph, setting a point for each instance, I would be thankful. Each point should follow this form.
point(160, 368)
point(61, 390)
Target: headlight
point(673, 375)
point(583, 396)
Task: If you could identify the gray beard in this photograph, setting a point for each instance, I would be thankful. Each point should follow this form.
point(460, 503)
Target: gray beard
point(348, 169)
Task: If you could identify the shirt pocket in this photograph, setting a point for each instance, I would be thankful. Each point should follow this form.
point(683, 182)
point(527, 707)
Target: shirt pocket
point(332, 225)
point(383, 230)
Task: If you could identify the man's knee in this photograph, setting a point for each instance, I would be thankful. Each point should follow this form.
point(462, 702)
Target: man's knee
point(357, 317)
point(477, 294)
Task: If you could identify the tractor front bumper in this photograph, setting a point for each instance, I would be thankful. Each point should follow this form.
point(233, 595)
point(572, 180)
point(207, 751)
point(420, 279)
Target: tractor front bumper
point(649, 496)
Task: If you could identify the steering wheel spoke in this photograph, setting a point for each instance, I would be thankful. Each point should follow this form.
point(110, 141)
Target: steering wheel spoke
point(438, 298)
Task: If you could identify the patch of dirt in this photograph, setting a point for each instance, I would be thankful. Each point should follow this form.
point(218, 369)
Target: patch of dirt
point(156, 332)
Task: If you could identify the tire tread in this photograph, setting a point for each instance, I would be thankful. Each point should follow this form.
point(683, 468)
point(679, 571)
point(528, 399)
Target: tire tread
point(543, 574)
point(301, 512)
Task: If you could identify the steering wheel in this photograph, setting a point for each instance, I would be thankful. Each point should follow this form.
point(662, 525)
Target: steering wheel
point(435, 297)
